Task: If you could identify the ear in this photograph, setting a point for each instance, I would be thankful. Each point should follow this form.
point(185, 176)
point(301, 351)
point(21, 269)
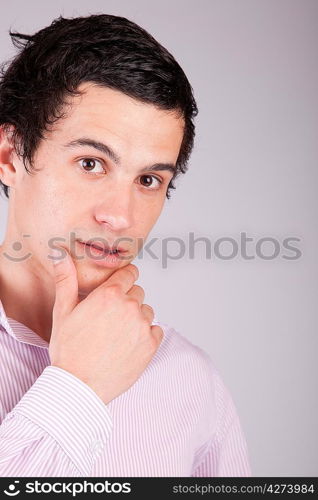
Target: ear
point(8, 172)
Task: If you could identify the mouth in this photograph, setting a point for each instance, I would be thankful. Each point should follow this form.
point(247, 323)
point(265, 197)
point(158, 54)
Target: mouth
point(104, 248)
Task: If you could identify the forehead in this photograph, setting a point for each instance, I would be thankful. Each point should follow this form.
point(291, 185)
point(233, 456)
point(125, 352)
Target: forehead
point(102, 112)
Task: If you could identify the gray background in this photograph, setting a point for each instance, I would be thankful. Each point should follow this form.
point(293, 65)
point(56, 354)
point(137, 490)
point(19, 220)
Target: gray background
point(253, 67)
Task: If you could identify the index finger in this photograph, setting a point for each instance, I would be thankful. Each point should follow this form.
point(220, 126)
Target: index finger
point(125, 277)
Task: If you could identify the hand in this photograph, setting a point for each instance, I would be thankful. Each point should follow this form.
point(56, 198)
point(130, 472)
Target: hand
point(106, 340)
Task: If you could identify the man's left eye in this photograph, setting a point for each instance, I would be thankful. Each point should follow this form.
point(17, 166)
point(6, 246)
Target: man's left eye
point(150, 181)
point(89, 164)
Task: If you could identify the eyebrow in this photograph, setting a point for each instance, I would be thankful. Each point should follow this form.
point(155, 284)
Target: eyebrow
point(110, 153)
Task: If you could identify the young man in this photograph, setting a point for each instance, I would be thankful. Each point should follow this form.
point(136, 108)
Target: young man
point(96, 123)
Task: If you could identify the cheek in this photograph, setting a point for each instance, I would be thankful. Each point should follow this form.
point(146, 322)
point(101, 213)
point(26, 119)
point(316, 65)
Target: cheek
point(44, 208)
point(149, 214)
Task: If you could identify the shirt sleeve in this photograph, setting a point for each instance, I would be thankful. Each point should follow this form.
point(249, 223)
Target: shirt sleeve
point(58, 428)
point(226, 454)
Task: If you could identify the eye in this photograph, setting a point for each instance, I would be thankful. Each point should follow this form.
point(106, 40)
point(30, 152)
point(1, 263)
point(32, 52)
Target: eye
point(89, 164)
point(149, 181)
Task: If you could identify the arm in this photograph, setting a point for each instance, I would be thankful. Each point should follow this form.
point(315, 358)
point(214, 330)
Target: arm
point(58, 428)
point(226, 454)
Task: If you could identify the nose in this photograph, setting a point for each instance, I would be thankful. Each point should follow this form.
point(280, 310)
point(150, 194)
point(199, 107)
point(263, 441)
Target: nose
point(116, 210)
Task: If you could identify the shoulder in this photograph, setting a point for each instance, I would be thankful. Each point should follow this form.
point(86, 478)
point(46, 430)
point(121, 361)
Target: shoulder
point(176, 344)
point(192, 368)
point(189, 374)
point(185, 361)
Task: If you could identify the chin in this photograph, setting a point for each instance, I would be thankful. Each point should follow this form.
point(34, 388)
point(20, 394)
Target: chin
point(89, 279)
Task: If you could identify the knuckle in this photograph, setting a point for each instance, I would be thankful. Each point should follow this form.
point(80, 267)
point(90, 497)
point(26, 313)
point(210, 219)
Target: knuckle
point(139, 291)
point(132, 303)
point(145, 323)
point(148, 308)
point(158, 334)
point(133, 270)
point(113, 291)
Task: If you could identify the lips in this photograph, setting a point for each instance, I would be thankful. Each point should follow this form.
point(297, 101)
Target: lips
point(104, 248)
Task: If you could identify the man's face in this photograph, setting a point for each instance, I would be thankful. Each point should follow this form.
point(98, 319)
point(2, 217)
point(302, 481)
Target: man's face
point(82, 191)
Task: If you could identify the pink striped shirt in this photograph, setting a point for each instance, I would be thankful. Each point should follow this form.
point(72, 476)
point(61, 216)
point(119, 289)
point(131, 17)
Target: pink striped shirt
point(178, 419)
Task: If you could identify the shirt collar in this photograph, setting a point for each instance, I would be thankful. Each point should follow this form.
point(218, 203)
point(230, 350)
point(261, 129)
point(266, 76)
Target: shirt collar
point(20, 332)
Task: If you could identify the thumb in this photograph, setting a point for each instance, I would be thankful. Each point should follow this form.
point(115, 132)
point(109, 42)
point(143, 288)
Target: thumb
point(66, 284)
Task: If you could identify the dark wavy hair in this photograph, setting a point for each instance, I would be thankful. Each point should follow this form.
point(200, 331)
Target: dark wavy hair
point(108, 50)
